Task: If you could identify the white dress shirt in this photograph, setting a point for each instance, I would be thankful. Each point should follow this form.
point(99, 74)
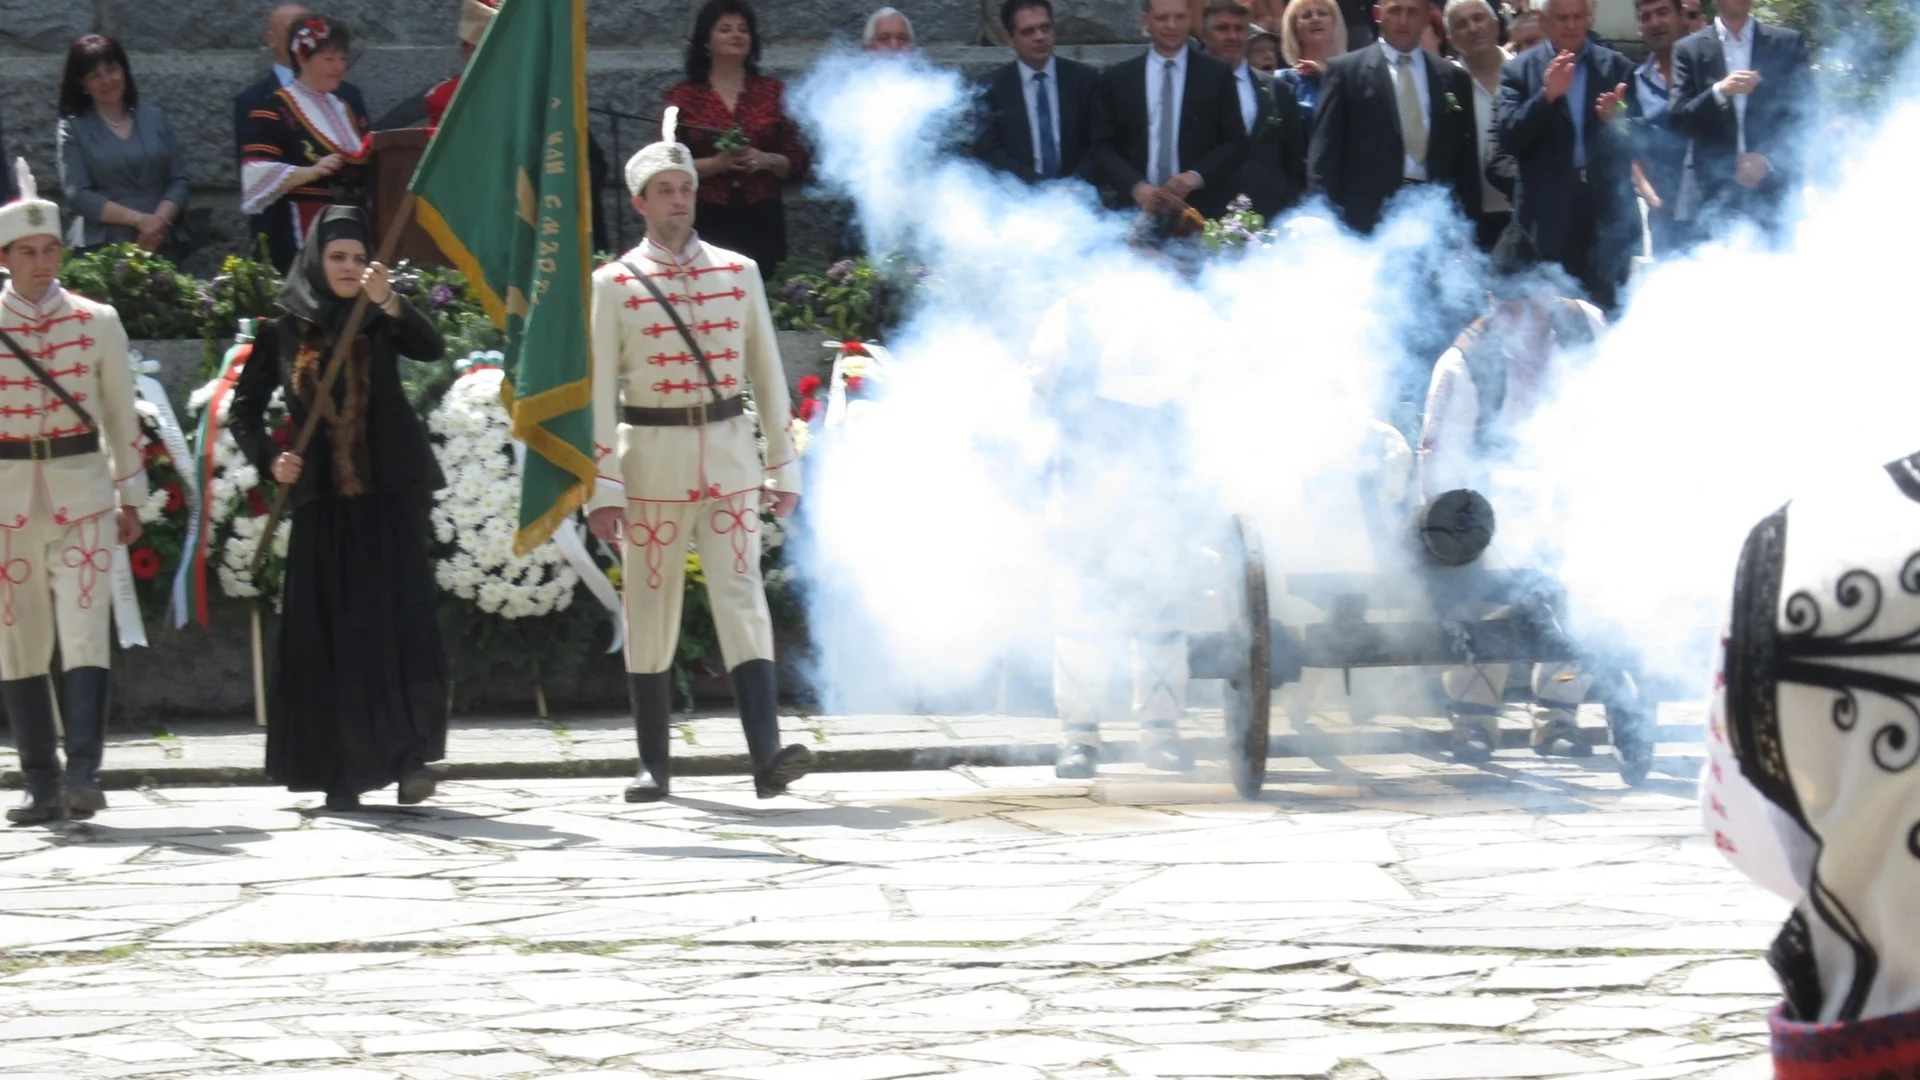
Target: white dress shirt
point(1156, 71)
point(1738, 49)
point(1249, 101)
point(1486, 115)
point(283, 73)
point(1030, 88)
point(1409, 168)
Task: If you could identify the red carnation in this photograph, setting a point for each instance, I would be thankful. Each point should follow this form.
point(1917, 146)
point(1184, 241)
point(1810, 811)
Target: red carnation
point(283, 435)
point(145, 563)
point(257, 502)
point(855, 384)
point(176, 496)
point(853, 348)
point(809, 385)
point(154, 452)
point(808, 407)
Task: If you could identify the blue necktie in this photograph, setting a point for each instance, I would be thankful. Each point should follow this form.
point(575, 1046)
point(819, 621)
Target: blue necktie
point(1049, 151)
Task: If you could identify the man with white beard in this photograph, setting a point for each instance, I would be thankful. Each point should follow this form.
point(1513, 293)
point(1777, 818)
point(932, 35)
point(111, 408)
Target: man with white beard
point(1107, 364)
point(1498, 372)
point(1812, 784)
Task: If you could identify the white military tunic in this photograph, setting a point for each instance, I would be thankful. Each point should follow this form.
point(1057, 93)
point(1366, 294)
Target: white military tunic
point(689, 484)
point(57, 531)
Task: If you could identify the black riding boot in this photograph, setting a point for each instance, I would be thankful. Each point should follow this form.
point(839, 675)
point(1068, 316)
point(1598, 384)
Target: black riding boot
point(30, 712)
point(774, 767)
point(85, 716)
point(652, 697)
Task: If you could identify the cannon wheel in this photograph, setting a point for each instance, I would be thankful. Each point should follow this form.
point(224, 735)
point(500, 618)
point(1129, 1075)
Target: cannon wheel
point(1630, 721)
point(1249, 697)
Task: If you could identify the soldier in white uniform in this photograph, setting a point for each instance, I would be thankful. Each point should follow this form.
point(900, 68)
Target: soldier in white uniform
point(1123, 502)
point(681, 330)
point(1499, 370)
point(71, 477)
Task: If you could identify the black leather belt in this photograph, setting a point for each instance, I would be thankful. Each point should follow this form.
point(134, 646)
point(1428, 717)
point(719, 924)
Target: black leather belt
point(41, 448)
point(685, 416)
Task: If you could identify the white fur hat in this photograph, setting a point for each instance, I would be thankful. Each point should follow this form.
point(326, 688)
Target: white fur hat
point(30, 215)
point(474, 17)
point(667, 155)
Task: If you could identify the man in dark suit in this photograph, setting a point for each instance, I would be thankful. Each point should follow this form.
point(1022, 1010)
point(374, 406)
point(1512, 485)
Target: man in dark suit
point(1167, 124)
point(1276, 170)
point(278, 228)
point(1560, 105)
point(1391, 115)
point(1741, 92)
point(1038, 122)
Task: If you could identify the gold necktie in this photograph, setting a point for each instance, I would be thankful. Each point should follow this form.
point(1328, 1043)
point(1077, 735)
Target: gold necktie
point(1413, 126)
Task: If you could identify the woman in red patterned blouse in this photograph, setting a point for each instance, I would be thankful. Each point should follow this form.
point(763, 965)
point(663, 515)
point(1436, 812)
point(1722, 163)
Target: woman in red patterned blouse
point(740, 207)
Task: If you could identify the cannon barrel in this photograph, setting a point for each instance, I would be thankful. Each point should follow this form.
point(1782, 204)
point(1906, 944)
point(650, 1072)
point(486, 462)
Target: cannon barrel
point(1455, 528)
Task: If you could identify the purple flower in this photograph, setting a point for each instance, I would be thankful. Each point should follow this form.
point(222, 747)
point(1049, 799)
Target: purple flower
point(161, 285)
point(796, 291)
point(406, 284)
point(841, 270)
point(442, 296)
point(1240, 205)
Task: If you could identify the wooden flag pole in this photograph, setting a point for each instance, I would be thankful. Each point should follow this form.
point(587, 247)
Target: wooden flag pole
point(334, 364)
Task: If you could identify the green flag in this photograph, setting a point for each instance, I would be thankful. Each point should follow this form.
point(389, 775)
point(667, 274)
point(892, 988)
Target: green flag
point(503, 188)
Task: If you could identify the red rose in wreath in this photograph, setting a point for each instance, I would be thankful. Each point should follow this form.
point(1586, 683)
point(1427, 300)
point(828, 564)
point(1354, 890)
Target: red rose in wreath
point(154, 452)
point(854, 348)
point(855, 384)
point(283, 435)
point(176, 497)
point(809, 385)
point(809, 407)
point(257, 502)
point(145, 563)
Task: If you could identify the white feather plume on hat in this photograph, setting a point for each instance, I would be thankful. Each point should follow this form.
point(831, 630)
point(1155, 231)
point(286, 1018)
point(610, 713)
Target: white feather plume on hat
point(667, 155)
point(30, 215)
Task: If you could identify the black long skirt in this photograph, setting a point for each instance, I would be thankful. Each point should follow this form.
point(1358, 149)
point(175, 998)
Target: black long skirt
point(360, 681)
point(756, 230)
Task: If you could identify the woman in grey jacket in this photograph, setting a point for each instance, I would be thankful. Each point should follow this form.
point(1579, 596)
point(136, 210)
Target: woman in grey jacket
point(120, 164)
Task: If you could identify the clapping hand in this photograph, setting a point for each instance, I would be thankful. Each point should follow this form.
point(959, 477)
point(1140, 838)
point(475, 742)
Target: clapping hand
point(1309, 69)
point(1560, 75)
point(1609, 104)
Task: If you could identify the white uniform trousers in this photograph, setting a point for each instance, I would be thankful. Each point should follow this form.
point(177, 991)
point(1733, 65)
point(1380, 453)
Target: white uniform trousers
point(1558, 690)
point(56, 578)
point(726, 533)
point(1090, 671)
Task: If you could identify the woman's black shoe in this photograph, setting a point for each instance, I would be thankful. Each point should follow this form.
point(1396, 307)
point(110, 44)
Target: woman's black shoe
point(416, 787)
point(341, 801)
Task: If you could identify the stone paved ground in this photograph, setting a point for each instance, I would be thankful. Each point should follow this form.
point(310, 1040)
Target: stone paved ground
point(228, 751)
point(1389, 916)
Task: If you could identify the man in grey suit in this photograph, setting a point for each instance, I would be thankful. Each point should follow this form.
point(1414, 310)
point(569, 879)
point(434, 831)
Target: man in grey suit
point(1742, 92)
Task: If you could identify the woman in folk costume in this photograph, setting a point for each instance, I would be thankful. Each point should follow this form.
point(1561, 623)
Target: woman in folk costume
point(1812, 785)
point(360, 694)
point(681, 332)
point(71, 474)
point(307, 148)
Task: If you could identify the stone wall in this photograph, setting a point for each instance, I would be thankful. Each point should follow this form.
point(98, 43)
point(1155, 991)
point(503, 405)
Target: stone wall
point(191, 56)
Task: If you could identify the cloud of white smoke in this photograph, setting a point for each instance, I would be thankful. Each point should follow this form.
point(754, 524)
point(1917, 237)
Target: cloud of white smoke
point(1735, 378)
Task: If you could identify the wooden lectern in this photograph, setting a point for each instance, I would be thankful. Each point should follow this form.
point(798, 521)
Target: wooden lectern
point(396, 154)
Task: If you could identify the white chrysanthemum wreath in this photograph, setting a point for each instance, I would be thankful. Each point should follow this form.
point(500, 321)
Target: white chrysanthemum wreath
point(476, 513)
point(237, 504)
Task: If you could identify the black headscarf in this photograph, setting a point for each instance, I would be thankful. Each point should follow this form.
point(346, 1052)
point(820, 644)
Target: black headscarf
point(306, 293)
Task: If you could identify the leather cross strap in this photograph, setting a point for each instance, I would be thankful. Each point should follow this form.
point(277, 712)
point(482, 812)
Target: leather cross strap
point(33, 366)
point(679, 324)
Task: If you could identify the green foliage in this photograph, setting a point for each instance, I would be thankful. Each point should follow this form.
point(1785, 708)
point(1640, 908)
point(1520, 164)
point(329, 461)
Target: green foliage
point(245, 289)
point(546, 650)
point(731, 139)
point(154, 299)
point(853, 300)
point(1237, 229)
point(1857, 45)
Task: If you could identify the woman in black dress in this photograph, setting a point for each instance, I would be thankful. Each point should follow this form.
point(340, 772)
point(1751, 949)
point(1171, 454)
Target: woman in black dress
point(360, 693)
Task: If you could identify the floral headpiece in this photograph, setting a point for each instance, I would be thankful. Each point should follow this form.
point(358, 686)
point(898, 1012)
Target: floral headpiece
point(308, 36)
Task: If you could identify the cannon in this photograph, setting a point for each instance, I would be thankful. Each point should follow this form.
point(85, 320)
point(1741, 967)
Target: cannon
point(1480, 615)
